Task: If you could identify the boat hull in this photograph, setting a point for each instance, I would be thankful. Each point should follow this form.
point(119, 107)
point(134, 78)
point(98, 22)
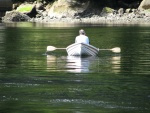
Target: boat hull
point(81, 49)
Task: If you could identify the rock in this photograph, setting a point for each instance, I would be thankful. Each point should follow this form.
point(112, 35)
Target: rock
point(25, 8)
point(147, 13)
point(121, 11)
point(128, 10)
point(107, 11)
point(135, 11)
point(67, 8)
point(145, 4)
point(39, 6)
point(15, 5)
point(15, 17)
point(45, 13)
point(28, 9)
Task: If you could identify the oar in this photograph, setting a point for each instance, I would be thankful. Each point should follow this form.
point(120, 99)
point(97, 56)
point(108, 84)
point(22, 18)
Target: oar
point(52, 48)
point(115, 49)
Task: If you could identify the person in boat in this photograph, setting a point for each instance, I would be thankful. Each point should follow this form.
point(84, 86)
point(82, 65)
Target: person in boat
point(82, 38)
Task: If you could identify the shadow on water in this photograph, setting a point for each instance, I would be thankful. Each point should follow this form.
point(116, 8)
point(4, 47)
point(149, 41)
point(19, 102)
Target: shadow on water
point(136, 45)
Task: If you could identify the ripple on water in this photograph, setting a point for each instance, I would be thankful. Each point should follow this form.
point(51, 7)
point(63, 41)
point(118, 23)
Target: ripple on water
point(90, 103)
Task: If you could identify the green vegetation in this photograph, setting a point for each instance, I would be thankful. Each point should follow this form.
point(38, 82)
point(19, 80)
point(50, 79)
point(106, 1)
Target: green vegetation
point(25, 8)
point(108, 10)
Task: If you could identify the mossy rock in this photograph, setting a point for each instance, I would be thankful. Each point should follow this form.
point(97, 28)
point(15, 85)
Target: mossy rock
point(27, 8)
point(107, 10)
point(145, 5)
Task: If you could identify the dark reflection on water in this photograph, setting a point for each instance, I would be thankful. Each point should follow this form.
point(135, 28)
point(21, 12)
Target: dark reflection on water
point(32, 82)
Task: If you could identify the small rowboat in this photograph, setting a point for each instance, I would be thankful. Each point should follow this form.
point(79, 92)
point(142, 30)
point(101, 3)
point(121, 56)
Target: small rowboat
point(81, 49)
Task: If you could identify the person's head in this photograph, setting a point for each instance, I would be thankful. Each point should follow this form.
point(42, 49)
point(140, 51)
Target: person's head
point(81, 32)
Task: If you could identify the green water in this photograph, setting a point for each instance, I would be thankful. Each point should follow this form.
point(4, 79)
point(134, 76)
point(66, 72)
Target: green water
point(33, 82)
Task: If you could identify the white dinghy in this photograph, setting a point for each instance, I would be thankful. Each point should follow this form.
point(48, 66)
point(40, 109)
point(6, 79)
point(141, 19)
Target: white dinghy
point(81, 49)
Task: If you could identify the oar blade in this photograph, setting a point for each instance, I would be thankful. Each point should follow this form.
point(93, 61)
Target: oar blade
point(51, 48)
point(116, 50)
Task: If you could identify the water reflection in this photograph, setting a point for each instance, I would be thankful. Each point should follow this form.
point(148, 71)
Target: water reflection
point(90, 64)
point(78, 64)
point(51, 25)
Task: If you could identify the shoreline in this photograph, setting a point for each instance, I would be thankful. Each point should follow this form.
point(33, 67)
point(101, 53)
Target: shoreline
point(64, 23)
point(97, 20)
point(116, 19)
point(142, 18)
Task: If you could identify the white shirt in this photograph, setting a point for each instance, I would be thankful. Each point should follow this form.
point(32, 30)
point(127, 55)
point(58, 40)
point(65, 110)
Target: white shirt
point(82, 39)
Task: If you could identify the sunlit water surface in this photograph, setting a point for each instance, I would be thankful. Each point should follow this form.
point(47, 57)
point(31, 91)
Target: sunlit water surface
point(32, 81)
